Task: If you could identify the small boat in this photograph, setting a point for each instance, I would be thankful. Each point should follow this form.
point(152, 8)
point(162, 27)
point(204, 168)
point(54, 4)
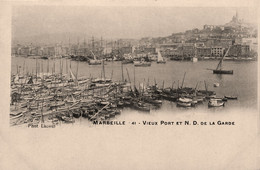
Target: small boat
point(219, 70)
point(160, 58)
point(220, 98)
point(216, 103)
point(141, 106)
point(142, 63)
point(104, 102)
point(152, 101)
point(172, 98)
point(185, 100)
point(67, 119)
point(128, 61)
point(94, 61)
point(182, 104)
point(231, 97)
point(222, 71)
point(211, 96)
point(44, 57)
point(216, 84)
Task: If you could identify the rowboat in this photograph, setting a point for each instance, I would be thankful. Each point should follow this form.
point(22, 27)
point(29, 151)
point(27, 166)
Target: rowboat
point(216, 103)
point(231, 97)
point(67, 119)
point(182, 104)
point(142, 64)
point(141, 106)
point(216, 84)
point(185, 100)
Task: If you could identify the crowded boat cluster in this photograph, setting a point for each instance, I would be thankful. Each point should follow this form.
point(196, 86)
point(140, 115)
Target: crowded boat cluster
point(54, 98)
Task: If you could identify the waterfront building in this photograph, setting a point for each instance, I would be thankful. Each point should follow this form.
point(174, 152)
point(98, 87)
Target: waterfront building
point(252, 42)
point(239, 50)
point(172, 52)
point(172, 46)
point(217, 51)
point(188, 49)
point(203, 51)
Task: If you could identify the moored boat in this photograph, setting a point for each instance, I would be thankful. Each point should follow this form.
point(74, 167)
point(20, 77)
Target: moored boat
point(219, 69)
point(160, 59)
point(231, 97)
point(142, 63)
point(184, 104)
point(216, 103)
point(216, 84)
point(141, 107)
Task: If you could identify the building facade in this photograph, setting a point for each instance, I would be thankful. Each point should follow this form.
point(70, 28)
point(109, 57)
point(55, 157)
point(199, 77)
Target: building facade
point(217, 51)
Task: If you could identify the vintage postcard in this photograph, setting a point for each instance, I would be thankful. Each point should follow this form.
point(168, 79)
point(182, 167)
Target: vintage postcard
point(156, 86)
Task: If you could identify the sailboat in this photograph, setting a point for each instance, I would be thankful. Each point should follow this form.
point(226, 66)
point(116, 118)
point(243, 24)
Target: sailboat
point(219, 70)
point(160, 58)
point(95, 61)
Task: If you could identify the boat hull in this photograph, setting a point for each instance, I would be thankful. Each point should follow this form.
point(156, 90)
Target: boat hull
point(231, 97)
point(142, 65)
point(181, 104)
point(161, 62)
point(222, 71)
point(95, 62)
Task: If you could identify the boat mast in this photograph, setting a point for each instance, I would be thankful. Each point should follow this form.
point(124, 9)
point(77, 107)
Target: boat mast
point(23, 67)
point(48, 67)
point(103, 62)
point(220, 62)
point(183, 80)
point(54, 66)
point(36, 69)
point(66, 66)
point(42, 66)
point(77, 70)
point(60, 66)
point(122, 71)
point(134, 76)
point(128, 76)
point(69, 47)
point(84, 47)
point(93, 45)
point(111, 75)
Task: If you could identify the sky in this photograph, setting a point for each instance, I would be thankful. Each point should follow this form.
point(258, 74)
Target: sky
point(117, 22)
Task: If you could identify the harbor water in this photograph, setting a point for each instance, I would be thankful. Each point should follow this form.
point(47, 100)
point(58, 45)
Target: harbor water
point(243, 83)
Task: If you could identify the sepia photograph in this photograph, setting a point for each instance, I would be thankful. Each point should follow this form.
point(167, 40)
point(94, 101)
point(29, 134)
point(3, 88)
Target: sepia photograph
point(116, 64)
point(148, 86)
